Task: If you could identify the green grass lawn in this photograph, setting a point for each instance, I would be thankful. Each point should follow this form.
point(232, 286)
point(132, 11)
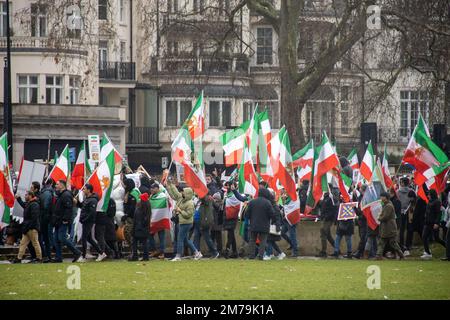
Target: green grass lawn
point(229, 279)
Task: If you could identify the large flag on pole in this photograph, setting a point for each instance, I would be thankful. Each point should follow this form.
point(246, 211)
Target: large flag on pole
point(187, 149)
point(385, 169)
point(353, 159)
point(161, 214)
point(303, 160)
point(368, 163)
point(61, 170)
point(233, 144)
point(264, 148)
point(102, 181)
point(81, 169)
point(106, 146)
point(6, 191)
point(248, 180)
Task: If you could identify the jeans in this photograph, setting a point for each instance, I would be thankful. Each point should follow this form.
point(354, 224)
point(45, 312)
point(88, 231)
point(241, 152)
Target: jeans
point(197, 234)
point(86, 237)
point(337, 243)
point(410, 235)
point(44, 239)
point(371, 246)
point(183, 232)
point(206, 234)
point(246, 231)
point(272, 246)
point(100, 230)
point(262, 244)
point(325, 235)
point(363, 239)
point(292, 238)
point(144, 242)
point(428, 232)
point(62, 238)
point(72, 233)
point(162, 241)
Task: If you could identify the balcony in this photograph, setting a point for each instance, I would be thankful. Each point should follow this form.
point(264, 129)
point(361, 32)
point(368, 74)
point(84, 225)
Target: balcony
point(143, 136)
point(200, 65)
point(42, 44)
point(109, 70)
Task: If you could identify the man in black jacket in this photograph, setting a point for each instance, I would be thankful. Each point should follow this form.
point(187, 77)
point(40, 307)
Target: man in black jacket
point(260, 212)
point(62, 220)
point(87, 219)
point(328, 214)
point(431, 227)
point(30, 226)
point(46, 234)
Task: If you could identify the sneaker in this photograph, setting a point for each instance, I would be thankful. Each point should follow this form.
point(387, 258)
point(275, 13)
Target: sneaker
point(281, 256)
point(161, 256)
point(101, 257)
point(154, 254)
point(445, 259)
point(406, 253)
point(267, 258)
point(198, 255)
point(81, 260)
point(89, 256)
point(176, 258)
point(76, 257)
point(389, 255)
point(426, 256)
point(215, 256)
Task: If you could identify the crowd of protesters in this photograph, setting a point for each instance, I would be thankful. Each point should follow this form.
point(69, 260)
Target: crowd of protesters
point(50, 210)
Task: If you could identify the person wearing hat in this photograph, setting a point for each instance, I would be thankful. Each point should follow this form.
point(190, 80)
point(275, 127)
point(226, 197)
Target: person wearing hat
point(156, 192)
point(141, 228)
point(388, 228)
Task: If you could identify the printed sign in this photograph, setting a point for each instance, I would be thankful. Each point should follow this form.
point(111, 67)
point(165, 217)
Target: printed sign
point(347, 211)
point(94, 147)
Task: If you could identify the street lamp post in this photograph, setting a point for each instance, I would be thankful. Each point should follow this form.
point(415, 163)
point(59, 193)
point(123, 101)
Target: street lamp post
point(7, 101)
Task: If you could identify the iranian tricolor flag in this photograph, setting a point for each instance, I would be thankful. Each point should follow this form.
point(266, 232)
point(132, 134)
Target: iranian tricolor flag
point(251, 136)
point(353, 159)
point(303, 160)
point(61, 170)
point(292, 211)
point(368, 163)
point(248, 181)
point(187, 149)
point(106, 146)
point(6, 191)
point(325, 162)
point(264, 148)
point(102, 181)
point(371, 204)
point(232, 206)
point(385, 170)
point(81, 169)
point(345, 183)
point(233, 144)
point(283, 158)
point(424, 154)
point(161, 215)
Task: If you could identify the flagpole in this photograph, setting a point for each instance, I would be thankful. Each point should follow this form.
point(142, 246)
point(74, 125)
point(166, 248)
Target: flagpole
point(170, 166)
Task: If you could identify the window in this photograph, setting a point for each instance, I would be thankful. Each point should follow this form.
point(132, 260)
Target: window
point(122, 10)
point(177, 112)
point(305, 49)
point(74, 89)
point(172, 48)
point(3, 18)
point(38, 20)
point(270, 105)
point(199, 5)
point(102, 54)
point(122, 51)
point(103, 9)
point(172, 6)
point(264, 46)
point(102, 97)
point(53, 89)
point(249, 108)
point(28, 88)
point(219, 113)
point(412, 103)
point(344, 110)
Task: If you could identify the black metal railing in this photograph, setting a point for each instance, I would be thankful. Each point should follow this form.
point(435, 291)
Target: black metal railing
point(110, 70)
point(143, 135)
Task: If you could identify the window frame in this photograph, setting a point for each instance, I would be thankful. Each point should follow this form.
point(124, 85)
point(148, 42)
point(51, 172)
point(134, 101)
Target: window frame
point(53, 89)
point(221, 118)
point(103, 4)
point(413, 96)
point(178, 100)
point(28, 86)
point(74, 89)
point(36, 18)
point(264, 47)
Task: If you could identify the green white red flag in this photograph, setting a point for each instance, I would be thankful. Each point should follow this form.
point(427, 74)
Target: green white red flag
point(6, 191)
point(264, 148)
point(233, 144)
point(292, 211)
point(385, 170)
point(81, 170)
point(353, 159)
point(248, 180)
point(303, 161)
point(61, 170)
point(368, 163)
point(161, 214)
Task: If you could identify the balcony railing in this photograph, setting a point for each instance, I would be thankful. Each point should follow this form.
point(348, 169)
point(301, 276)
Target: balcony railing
point(206, 66)
point(42, 43)
point(109, 70)
point(143, 135)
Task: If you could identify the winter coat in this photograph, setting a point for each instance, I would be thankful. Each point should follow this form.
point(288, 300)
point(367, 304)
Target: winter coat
point(260, 212)
point(45, 202)
point(398, 207)
point(110, 230)
point(433, 212)
point(362, 220)
point(88, 209)
point(206, 211)
point(419, 215)
point(185, 204)
point(218, 215)
point(129, 208)
point(328, 210)
point(402, 194)
point(388, 226)
point(345, 227)
point(141, 223)
point(277, 221)
point(63, 208)
point(31, 214)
